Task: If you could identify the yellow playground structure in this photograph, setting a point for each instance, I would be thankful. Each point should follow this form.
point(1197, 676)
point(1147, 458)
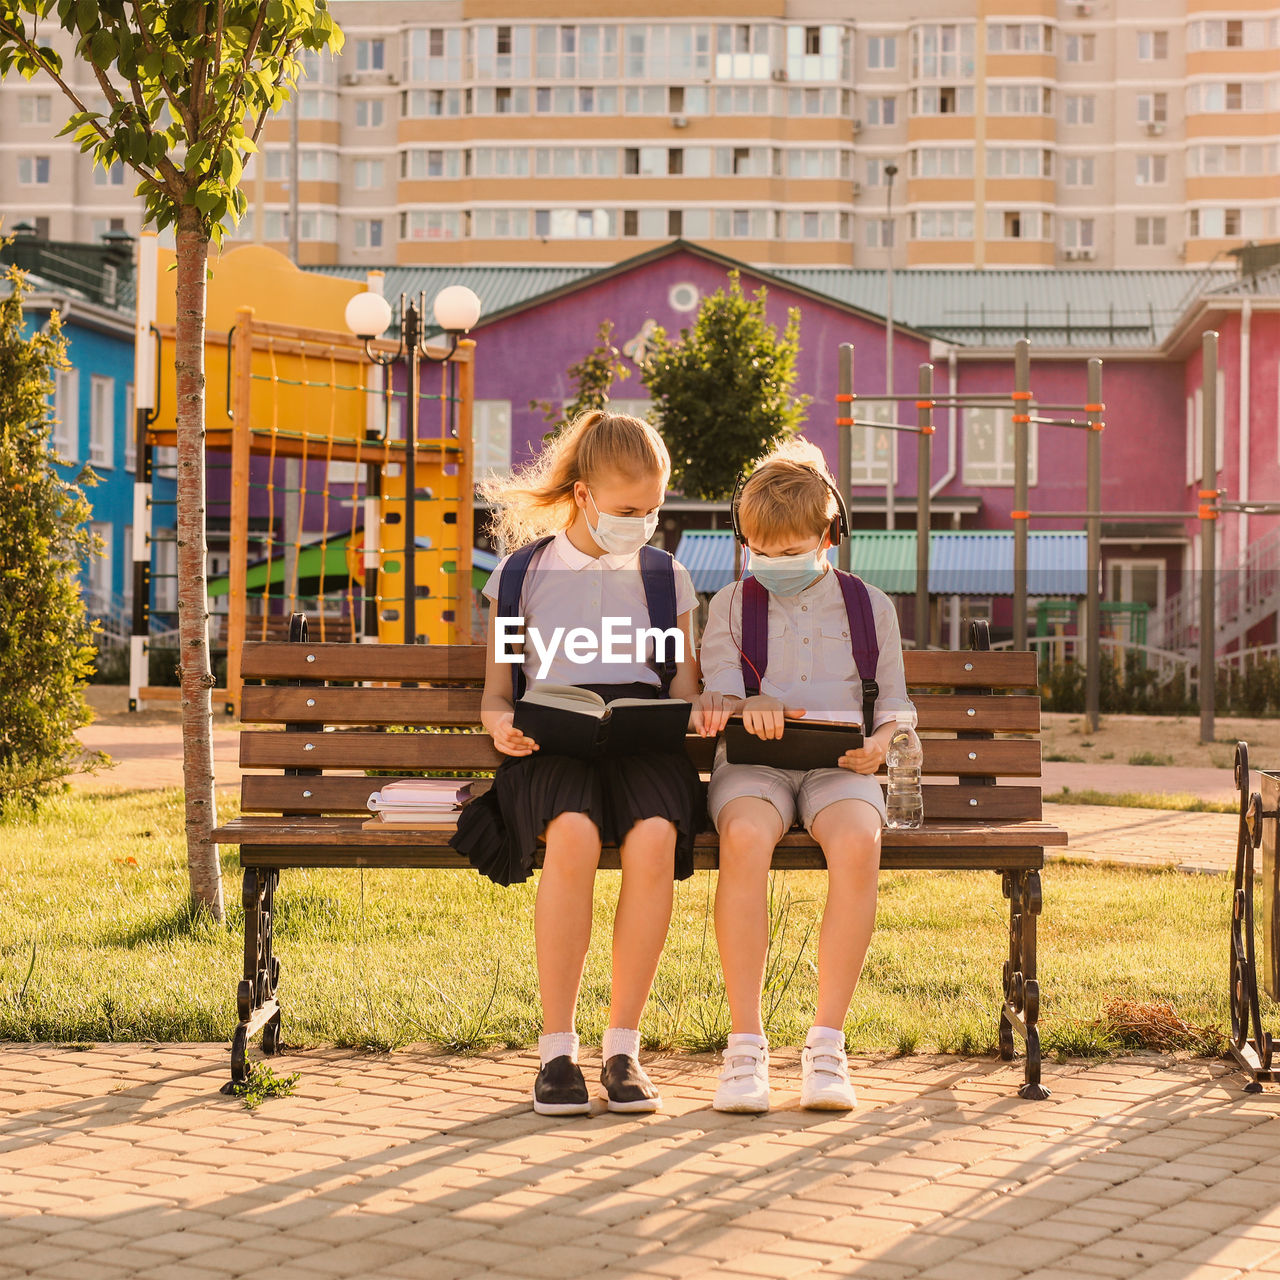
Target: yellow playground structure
point(305, 450)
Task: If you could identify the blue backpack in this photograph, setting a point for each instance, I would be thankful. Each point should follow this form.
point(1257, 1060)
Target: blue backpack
point(862, 633)
point(657, 573)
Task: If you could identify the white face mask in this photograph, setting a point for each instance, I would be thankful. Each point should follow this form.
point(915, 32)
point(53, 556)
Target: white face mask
point(788, 575)
point(622, 535)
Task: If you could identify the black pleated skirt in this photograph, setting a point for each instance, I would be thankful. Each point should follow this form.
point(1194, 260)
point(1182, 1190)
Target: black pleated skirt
point(498, 831)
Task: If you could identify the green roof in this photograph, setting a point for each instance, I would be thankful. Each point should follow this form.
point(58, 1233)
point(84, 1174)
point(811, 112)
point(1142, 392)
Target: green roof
point(1097, 309)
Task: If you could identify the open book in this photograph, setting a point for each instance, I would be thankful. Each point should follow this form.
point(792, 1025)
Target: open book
point(567, 721)
point(805, 744)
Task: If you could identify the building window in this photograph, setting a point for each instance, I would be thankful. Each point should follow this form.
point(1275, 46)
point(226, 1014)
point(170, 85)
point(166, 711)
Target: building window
point(882, 111)
point(1077, 171)
point(873, 452)
point(491, 437)
point(943, 224)
point(1152, 171)
point(34, 108)
point(130, 429)
point(66, 413)
point(368, 233)
point(943, 100)
point(370, 113)
point(430, 224)
point(1077, 233)
point(1153, 108)
point(502, 224)
point(33, 171)
point(882, 53)
point(100, 570)
point(1012, 162)
point(368, 175)
point(371, 55)
point(675, 222)
point(630, 222)
point(112, 176)
point(1018, 100)
point(1080, 48)
point(1149, 231)
point(879, 233)
point(102, 422)
point(1080, 108)
point(988, 448)
point(1153, 46)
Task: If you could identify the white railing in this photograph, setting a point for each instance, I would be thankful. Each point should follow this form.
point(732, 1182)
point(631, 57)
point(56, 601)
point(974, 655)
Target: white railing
point(1166, 663)
point(1246, 593)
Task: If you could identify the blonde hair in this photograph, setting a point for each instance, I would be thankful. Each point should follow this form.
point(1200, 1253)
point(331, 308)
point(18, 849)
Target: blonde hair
point(785, 495)
point(537, 499)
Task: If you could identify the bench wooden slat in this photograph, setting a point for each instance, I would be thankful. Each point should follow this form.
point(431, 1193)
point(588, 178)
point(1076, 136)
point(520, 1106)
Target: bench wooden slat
point(335, 793)
point(264, 660)
point(350, 833)
point(1007, 758)
point(976, 858)
point(273, 704)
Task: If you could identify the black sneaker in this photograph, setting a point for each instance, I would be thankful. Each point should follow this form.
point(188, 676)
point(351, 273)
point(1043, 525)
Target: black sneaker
point(560, 1089)
point(628, 1087)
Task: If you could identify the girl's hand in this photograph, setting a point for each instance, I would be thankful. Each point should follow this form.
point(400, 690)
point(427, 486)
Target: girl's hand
point(710, 713)
point(510, 741)
point(867, 758)
point(764, 716)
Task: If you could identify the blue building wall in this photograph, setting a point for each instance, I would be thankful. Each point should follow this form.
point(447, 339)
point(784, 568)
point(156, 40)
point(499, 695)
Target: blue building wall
point(95, 353)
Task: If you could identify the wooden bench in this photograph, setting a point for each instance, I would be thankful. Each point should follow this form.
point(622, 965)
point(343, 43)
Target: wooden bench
point(316, 729)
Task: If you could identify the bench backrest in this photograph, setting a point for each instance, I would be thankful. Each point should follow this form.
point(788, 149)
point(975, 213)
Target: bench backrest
point(336, 727)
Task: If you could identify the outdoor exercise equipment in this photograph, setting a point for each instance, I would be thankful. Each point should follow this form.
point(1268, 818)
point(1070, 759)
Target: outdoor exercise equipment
point(1019, 399)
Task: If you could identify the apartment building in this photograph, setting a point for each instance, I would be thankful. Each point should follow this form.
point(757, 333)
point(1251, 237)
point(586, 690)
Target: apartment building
point(965, 133)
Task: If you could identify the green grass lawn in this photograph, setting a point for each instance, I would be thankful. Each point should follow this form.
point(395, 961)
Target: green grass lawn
point(97, 887)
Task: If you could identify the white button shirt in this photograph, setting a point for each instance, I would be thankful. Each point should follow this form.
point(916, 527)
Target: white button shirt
point(810, 662)
point(565, 587)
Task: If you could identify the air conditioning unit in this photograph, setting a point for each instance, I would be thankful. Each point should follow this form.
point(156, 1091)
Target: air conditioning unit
point(1181, 251)
point(856, 190)
point(1155, 128)
point(1084, 10)
point(1085, 255)
point(680, 122)
point(857, 127)
point(779, 74)
point(350, 78)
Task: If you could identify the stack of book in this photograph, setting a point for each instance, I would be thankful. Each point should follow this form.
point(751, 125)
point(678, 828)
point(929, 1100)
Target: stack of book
point(419, 804)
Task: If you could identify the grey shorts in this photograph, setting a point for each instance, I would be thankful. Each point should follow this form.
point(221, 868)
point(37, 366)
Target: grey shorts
point(807, 792)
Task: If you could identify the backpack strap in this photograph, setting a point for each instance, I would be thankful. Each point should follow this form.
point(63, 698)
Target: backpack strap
point(658, 576)
point(510, 588)
point(755, 635)
point(866, 645)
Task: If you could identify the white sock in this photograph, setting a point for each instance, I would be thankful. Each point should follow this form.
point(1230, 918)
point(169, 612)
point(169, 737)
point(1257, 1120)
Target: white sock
point(620, 1040)
point(820, 1035)
point(746, 1039)
point(559, 1044)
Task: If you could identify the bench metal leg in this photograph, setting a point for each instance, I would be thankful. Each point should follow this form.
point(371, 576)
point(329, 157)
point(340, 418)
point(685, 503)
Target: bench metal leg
point(1021, 1011)
point(256, 1005)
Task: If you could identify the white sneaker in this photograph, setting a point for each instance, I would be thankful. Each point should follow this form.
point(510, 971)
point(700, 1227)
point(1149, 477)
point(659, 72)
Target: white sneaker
point(825, 1086)
point(744, 1082)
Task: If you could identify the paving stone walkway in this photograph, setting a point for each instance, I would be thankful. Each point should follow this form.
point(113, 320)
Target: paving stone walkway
point(124, 1161)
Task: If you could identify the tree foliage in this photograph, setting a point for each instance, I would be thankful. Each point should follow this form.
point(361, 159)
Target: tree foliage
point(188, 87)
point(592, 379)
point(46, 638)
point(722, 394)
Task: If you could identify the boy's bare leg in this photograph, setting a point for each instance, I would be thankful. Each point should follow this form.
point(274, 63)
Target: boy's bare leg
point(749, 829)
point(849, 833)
point(562, 916)
point(643, 915)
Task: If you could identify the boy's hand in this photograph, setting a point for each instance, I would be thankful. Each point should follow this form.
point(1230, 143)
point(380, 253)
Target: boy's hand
point(866, 759)
point(510, 741)
point(764, 716)
point(710, 713)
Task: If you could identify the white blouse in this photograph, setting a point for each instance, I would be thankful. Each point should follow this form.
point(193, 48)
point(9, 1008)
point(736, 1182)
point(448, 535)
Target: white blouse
point(567, 588)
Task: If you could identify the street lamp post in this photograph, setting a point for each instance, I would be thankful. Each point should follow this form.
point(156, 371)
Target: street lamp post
point(890, 172)
point(456, 311)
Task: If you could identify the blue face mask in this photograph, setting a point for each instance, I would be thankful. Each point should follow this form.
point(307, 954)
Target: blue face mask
point(788, 575)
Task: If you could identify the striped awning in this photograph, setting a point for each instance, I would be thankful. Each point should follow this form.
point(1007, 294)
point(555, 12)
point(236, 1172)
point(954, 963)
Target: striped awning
point(961, 562)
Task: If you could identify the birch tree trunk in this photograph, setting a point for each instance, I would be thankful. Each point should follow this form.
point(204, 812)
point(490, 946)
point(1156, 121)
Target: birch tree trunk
point(192, 241)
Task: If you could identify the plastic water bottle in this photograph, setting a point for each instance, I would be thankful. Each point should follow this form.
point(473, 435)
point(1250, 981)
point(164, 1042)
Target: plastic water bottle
point(905, 801)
